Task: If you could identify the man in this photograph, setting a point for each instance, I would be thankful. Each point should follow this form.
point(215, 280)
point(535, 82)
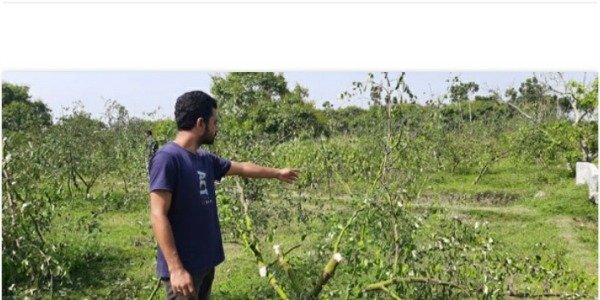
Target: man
point(182, 199)
point(151, 147)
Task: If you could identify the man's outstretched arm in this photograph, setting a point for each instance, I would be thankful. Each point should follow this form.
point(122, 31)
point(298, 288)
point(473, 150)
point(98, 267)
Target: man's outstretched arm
point(248, 169)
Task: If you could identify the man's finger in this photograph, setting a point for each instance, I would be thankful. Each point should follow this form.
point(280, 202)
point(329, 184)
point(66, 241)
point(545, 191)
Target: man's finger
point(185, 291)
point(177, 290)
point(192, 289)
point(181, 290)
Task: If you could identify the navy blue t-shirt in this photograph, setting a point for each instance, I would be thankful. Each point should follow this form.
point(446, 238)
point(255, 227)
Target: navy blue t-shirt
point(190, 177)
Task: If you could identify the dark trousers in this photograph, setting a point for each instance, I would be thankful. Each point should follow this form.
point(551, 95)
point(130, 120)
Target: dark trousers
point(202, 286)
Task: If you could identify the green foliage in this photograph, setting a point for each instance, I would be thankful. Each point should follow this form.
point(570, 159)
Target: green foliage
point(19, 112)
point(590, 98)
point(532, 90)
point(286, 120)
point(535, 99)
point(58, 166)
point(583, 98)
point(347, 120)
point(460, 91)
point(241, 90)
point(262, 103)
point(14, 93)
point(164, 130)
point(488, 112)
point(30, 262)
point(84, 164)
point(556, 141)
point(490, 97)
point(116, 114)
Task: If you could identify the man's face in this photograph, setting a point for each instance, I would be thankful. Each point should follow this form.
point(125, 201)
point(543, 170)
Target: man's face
point(211, 129)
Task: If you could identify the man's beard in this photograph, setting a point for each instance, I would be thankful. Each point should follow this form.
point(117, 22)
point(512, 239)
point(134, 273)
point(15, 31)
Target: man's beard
point(206, 139)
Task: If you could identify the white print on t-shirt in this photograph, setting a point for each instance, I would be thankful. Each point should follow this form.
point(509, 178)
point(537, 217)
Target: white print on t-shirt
point(201, 177)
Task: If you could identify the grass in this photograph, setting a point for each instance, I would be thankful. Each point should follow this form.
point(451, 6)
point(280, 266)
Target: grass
point(563, 218)
point(116, 259)
point(119, 260)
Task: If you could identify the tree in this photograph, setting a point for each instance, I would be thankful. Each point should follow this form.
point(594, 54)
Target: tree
point(578, 99)
point(575, 104)
point(83, 164)
point(116, 114)
point(240, 90)
point(19, 112)
point(459, 91)
point(348, 120)
point(14, 93)
point(534, 96)
point(532, 90)
point(263, 104)
point(580, 104)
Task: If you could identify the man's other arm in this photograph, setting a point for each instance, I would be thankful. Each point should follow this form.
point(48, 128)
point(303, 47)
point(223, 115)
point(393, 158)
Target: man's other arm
point(160, 203)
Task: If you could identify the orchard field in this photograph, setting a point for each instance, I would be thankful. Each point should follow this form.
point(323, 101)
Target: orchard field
point(457, 197)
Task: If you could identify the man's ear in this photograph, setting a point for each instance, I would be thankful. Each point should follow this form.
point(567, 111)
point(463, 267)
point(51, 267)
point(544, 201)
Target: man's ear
point(200, 123)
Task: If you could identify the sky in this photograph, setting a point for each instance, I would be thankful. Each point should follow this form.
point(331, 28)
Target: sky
point(143, 92)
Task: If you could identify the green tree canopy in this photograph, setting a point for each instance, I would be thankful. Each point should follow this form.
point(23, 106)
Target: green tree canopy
point(263, 103)
point(19, 112)
point(241, 90)
point(460, 91)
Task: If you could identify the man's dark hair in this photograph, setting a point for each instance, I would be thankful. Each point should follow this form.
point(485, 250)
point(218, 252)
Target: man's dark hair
point(191, 106)
point(149, 132)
